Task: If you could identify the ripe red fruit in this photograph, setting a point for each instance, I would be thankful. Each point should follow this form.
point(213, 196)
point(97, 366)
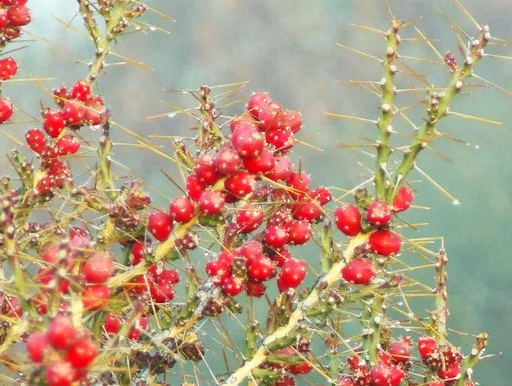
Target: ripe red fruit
point(293, 272)
point(6, 109)
point(67, 145)
point(276, 236)
point(60, 373)
point(36, 140)
point(94, 107)
point(136, 330)
point(322, 195)
point(282, 169)
point(36, 346)
point(260, 269)
point(403, 199)
point(227, 160)
point(400, 350)
point(160, 225)
point(240, 183)
point(255, 289)
point(299, 232)
point(300, 368)
point(61, 332)
point(8, 68)
point(182, 209)
point(385, 243)
point(292, 120)
point(161, 292)
point(80, 90)
point(211, 202)
point(427, 345)
point(260, 164)
point(95, 297)
point(228, 256)
point(384, 375)
point(450, 372)
point(44, 186)
point(249, 218)
point(307, 210)
point(218, 270)
point(233, 285)
point(82, 353)
point(378, 213)
point(73, 113)
point(247, 141)
point(348, 219)
point(18, 16)
point(284, 381)
point(205, 170)
point(270, 116)
point(299, 182)
point(280, 140)
point(358, 271)
point(98, 268)
point(168, 276)
point(345, 381)
point(251, 250)
point(112, 323)
point(53, 122)
point(257, 102)
point(194, 187)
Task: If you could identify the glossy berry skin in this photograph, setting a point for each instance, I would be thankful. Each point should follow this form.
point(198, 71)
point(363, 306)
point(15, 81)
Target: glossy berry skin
point(257, 102)
point(98, 268)
point(60, 373)
point(8, 68)
point(359, 271)
point(249, 218)
point(161, 292)
point(385, 242)
point(112, 323)
point(211, 202)
point(37, 343)
point(67, 145)
point(182, 209)
point(284, 381)
point(299, 232)
point(18, 16)
point(260, 269)
point(400, 350)
point(403, 199)
point(218, 270)
point(255, 289)
point(61, 332)
point(260, 164)
point(307, 210)
point(348, 219)
point(53, 122)
point(194, 187)
point(82, 353)
point(293, 272)
point(36, 140)
point(227, 161)
point(378, 213)
point(160, 225)
point(276, 236)
point(81, 90)
point(6, 109)
point(247, 141)
point(427, 345)
point(251, 249)
point(270, 116)
point(282, 169)
point(450, 372)
point(205, 170)
point(240, 183)
point(233, 285)
point(95, 297)
point(384, 375)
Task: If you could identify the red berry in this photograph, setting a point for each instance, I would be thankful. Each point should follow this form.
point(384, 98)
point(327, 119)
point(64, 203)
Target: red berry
point(358, 271)
point(270, 116)
point(345, 381)
point(60, 373)
point(299, 232)
point(8, 68)
point(80, 90)
point(228, 256)
point(427, 345)
point(260, 164)
point(36, 140)
point(281, 140)
point(299, 182)
point(260, 269)
point(82, 353)
point(233, 285)
point(37, 343)
point(385, 243)
point(6, 109)
point(205, 170)
point(378, 213)
point(112, 323)
point(450, 372)
point(44, 186)
point(348, 219)
point(284, 381)
point(211, 202)
point(53, 122)
point(67, 145)
point(403, 199)
point(18, 16)
point(182, 209)
point(251, 249)
point(61, 332)
point(400, 350)
point(161, 292)
point(292, 120)
point(276, 236)
point(194, 187)
point(160, 225)
point(136, 331)
point(4, 20)
point(380, 375)
point(257, 102)
point(307, 210)
point(322, 195)
point(247, 141)
point(282, 169)
point(73, 113)
point(292, 274)
point(240, 183)
point(95, 297)
point(98, 268)
point(227, 160)
point(94, 107)
point(255, 289)
point(249, 218)
point(218, 270)
point(138, 252)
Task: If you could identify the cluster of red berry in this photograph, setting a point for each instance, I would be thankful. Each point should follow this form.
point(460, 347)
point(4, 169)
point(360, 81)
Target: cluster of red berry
point(64, 351)
point(77, 108)
point(13, 15)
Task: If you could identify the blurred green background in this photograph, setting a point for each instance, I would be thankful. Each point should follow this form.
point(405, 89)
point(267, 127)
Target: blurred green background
point(288, 48)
